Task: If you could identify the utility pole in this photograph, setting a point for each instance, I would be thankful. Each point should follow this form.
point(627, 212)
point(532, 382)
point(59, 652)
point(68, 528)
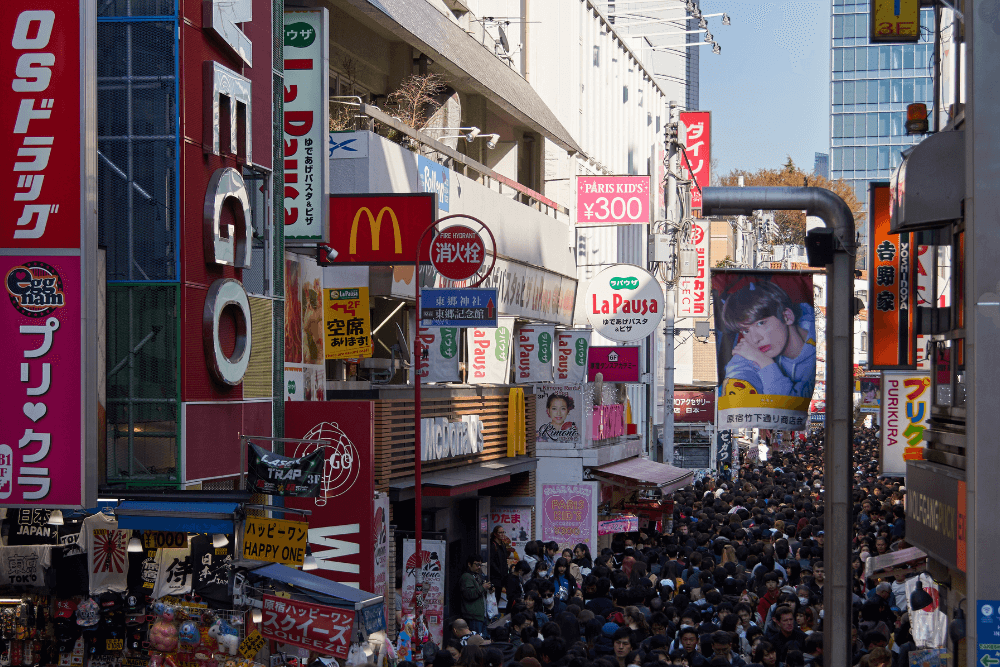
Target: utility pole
point(672, 137)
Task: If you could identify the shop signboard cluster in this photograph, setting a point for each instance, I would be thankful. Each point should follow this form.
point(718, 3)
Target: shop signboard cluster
point(571, 355)
point(276, 475)
point(693, 291)
point(696, 158)
point(516, 522)
point(274, 540)
point(49, 373)
point(892, 293)
point(475, 308)
point(534, 353)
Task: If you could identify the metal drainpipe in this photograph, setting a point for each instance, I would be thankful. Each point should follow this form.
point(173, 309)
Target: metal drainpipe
point(839, 425)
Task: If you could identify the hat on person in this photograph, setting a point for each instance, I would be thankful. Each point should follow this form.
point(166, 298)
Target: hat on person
point(608, 630)
point(820, 533)
point(476, 640)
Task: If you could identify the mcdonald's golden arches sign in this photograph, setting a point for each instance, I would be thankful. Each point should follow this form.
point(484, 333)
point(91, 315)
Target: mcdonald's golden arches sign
point(380, 228)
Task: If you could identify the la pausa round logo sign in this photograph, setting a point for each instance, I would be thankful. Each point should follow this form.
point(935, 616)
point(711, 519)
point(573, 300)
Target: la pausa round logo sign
point(624, 303)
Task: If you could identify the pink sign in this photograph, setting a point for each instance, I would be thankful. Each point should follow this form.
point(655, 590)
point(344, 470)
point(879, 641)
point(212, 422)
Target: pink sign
point(568, 513)
point(623, 524)
point(609, 421)
point(612, 200)
point(41, 453)
point(697, 152)
point(616, 364)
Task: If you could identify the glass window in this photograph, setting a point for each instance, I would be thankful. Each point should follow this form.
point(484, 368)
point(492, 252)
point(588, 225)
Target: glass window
point(872, 158)
point(838, 92)
point(922, 56)
point(895, 158)
point(848, 60)
point(848, 25)
point(895, 124)
point(860, 25)
point(908, 56)
point(922, 92)
point(897, 56)
point(872, 58)
point(861, 92)
point(883, 126)
point(848, 159)
point(838, 26)
point(883, 56)
point(873, 125)
point(873, 92)
point(883, 91)
point(838, 126)
point(836, 154)
point(838, 60)
point(907, 91)
point(897, 90)
point(861, 60)
point(848, 92)
point(883, 157)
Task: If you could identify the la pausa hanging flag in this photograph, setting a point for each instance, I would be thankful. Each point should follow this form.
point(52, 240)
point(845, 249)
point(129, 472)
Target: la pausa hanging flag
point(277, 475)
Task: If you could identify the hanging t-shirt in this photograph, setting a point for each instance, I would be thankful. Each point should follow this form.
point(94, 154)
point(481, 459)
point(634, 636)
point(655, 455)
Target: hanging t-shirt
point(174, 574)
point(211, 570)
point(142, 570)
point(107, 554)
point(30, 525)
point(24, 565)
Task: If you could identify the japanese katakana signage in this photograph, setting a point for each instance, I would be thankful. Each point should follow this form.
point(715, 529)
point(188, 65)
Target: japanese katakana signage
point(692, 291)
point(571, 355)
point(694, 407)
point(276, 475)
point(306, 124)
point(765, 348)
point(457, 252)
point(616, 364)
point(892, 289)
point(251, 645)
point(348, 331)
point(697, 152)
point(317, 627)
point(458, 308)
point(624, 303)
point(533, 357)
point(612, 200)
point(275, 540)
point(516, 522)
point(906, 410)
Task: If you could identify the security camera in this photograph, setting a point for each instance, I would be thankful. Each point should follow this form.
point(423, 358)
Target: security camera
point(473, 133)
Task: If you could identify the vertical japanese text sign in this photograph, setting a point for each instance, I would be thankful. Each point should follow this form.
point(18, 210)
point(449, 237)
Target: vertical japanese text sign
point(48, 255)
point(698, 149)
point(891, 290)
point(306, 125)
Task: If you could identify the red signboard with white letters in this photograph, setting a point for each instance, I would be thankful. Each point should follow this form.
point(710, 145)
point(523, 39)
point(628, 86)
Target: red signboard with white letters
point(317, 627)
point(697, 152)
point(458, 252)
point(692, 292)
point(694, 407)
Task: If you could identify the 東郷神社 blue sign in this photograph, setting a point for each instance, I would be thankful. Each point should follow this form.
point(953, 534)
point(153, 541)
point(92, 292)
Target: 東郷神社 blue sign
point(458, 308)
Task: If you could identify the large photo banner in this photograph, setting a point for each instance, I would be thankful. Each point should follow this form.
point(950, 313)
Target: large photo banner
point(559, 413)
point(765, 348)
point(433, 583)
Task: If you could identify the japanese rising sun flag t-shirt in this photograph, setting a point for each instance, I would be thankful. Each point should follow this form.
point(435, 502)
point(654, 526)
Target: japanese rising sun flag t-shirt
point(107, 554)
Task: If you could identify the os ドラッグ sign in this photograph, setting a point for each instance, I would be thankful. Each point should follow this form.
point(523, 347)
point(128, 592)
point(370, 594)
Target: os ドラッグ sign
point(624, 303)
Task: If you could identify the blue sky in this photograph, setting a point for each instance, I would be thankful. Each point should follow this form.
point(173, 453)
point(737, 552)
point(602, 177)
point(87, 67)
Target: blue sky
point(769, 90)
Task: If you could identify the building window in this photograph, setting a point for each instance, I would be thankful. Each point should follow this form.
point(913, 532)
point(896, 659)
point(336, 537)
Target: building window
point(864, 341)
point(838, 92)
point(896, 86)
point(597, 56)
point(908, 91)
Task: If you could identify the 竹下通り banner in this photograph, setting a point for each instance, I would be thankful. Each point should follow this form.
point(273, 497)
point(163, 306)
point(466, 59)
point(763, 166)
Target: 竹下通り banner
point(765, 349)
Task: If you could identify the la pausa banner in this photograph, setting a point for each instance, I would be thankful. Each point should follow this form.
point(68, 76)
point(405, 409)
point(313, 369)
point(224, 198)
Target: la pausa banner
point(765, 348)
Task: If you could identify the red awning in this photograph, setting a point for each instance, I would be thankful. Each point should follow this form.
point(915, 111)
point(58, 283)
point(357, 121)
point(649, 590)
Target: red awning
point(644, 472)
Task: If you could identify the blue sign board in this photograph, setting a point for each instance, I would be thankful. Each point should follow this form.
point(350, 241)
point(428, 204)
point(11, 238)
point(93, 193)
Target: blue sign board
point(436, 178)
point(988, 633)
point(458, 308)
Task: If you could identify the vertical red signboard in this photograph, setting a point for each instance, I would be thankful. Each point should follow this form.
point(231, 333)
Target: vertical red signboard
point(697, 151)
point(892, 291)
point(48, 254)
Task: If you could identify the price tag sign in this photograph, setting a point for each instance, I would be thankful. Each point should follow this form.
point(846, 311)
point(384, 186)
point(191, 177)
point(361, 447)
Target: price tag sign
point(158, 539)
point(250, 646)
point(275, 540)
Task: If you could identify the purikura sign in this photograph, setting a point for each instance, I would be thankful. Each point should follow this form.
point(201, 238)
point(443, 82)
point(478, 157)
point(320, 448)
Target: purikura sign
point(568, 514)
point(609, 421)
point(624, 303)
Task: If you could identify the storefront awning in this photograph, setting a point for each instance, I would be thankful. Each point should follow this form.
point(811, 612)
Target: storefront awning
point(647, 473)
point(464, 479)
point(904, 561)
point(177, 516)
point(358, 599)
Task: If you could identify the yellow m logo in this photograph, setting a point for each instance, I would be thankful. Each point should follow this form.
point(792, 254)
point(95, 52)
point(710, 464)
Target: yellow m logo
point(375, 224)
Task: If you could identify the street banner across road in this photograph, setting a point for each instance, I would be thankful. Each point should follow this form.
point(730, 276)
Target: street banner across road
point(458, 308)
point(765, 348)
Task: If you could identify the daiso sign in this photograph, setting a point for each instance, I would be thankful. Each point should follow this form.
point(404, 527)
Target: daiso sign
point(624, 303)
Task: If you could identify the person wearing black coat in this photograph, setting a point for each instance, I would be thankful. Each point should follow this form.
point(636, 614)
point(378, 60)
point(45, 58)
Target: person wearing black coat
point(498, 558)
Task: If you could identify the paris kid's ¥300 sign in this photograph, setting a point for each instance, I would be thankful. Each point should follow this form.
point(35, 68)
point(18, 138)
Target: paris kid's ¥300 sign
point(48, 255)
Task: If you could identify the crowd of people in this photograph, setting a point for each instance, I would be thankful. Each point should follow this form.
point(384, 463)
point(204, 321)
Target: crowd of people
point(736, 580)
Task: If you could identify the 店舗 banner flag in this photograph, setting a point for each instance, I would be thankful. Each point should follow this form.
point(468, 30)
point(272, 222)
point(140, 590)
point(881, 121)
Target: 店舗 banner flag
point(437, 354)
point(765, 348)
point(278, 475)
point(571, 355)
point(534, 353)
point(488, 358)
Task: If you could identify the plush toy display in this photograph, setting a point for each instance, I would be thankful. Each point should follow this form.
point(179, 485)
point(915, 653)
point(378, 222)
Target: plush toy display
point(226, 635)
point(189, 636)
point(163, 634)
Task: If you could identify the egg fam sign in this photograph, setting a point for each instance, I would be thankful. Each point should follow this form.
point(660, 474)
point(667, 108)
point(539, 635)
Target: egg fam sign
point(624, 303)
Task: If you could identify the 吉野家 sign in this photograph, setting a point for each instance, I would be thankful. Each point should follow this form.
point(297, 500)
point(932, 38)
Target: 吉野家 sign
point(894, 21)
point(458, 308)
point(624, 303)
point(317, 627)
point(457, 252)
point(275, 540)
point(380, 228)
point(348, 323)
point(612, 200)
point(892, 289)
point(616, 364)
